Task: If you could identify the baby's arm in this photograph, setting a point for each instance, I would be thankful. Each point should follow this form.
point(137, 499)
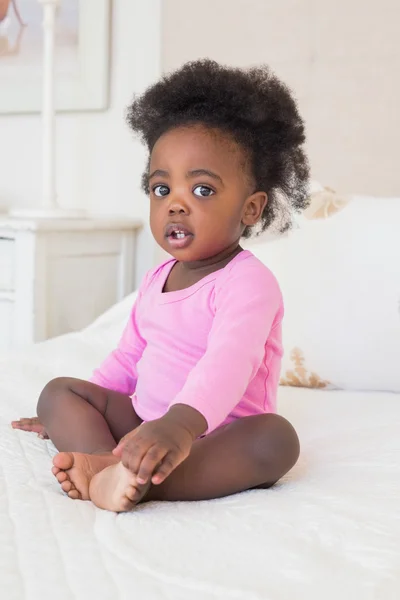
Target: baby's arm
point(246, 311)
point(117, 372)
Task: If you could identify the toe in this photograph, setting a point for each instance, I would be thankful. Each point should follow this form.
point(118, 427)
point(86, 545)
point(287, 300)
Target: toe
point(64, 460)
point(62, 476)
point(74, 494)
point(132, 493)
point(126, 505)
point(55, 470)
point(67, 486)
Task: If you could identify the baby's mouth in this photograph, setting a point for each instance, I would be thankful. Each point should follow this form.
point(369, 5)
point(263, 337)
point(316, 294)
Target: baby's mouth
point(178, 235)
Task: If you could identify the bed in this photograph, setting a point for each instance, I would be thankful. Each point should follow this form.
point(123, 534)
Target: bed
point(330, 529)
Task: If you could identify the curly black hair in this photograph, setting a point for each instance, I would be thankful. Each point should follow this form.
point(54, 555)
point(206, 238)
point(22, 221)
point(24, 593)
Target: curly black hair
point(254, 107)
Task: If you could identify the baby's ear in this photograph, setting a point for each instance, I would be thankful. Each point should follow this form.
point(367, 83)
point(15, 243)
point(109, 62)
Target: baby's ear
point(253, 208)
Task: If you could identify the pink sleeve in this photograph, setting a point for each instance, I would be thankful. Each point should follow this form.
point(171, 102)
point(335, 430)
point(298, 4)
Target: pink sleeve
point(118, 371)
point(247, 307)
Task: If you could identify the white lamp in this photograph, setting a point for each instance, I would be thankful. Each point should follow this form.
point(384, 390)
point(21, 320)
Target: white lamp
point(49, 207)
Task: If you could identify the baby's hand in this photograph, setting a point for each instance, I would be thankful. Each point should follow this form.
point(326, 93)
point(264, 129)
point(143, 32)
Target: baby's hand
point(155, 449)
point(32, 424)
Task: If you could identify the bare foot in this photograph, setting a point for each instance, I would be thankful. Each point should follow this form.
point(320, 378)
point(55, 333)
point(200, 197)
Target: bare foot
point(74, 471)
point(115, 488)
point(32, 424)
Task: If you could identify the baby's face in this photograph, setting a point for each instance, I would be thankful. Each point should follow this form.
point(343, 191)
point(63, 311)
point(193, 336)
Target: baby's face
point(199, 189)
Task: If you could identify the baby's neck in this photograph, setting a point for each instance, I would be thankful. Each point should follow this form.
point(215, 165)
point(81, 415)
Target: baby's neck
point(213, 263)
point(185, 274)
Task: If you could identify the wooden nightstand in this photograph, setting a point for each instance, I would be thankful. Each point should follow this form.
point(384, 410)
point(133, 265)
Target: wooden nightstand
point(57, 275)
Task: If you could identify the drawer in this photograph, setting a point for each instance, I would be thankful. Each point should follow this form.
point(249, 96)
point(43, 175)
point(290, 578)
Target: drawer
point(7, 263)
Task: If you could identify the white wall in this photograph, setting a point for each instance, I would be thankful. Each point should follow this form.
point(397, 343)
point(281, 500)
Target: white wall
point(98, 163)
point(342, 59)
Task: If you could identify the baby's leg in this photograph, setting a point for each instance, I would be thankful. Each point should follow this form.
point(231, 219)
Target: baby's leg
point(248, 453)
point(80, 416)
point(85, 422)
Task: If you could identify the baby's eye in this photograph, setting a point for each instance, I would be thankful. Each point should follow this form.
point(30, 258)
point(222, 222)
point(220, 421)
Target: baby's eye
point(203, 191)
point(161, 190)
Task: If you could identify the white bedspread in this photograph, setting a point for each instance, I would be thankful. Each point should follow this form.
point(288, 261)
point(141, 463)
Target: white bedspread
point(330, 530)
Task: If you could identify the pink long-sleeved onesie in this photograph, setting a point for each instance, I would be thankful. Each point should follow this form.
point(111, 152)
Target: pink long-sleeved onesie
point(215, 346)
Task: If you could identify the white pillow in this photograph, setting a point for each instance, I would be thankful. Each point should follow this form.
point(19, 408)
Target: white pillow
point(340, 277)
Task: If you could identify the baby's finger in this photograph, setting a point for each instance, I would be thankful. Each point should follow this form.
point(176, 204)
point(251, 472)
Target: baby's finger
point(28, 421)
point(121, 445)
point(28, 425)
point(24, 427)
point(19, 424)
point(132, 455)
point(170, 462)
point(149, 463)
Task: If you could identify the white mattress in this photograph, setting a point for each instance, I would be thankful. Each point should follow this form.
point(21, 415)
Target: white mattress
point(330, 530)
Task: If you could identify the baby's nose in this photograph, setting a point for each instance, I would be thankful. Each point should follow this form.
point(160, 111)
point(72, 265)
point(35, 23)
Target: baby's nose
point(178, 208)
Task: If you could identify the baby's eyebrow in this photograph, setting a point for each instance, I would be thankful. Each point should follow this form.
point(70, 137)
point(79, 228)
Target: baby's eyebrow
point(192, 173)
point(197, 172)
point(158, 173)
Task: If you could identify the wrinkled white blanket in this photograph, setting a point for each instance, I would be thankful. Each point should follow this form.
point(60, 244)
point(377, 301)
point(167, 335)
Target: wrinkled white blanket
point(330, 530)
